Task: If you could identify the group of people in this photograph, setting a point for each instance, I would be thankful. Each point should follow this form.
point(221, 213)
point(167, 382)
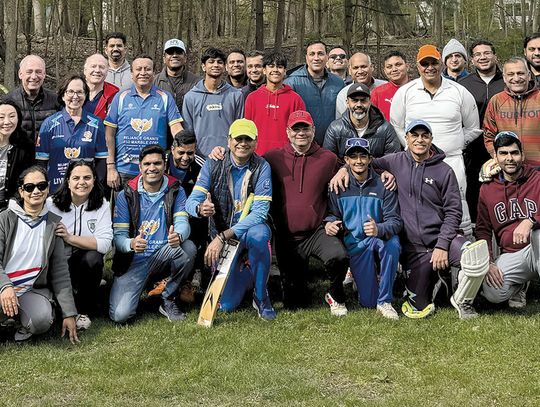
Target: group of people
point(367, 175)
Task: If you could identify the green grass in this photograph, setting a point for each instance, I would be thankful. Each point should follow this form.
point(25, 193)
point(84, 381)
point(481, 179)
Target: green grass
point(304, 358)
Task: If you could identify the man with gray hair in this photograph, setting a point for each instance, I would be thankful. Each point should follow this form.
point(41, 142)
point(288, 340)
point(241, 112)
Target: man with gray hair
point(454, 56)
point(36, 102)
point(101, 92)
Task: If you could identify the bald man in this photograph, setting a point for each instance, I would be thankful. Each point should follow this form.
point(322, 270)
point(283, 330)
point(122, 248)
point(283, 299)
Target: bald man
point(361, 70)
point(101, 92)
point(36, 102)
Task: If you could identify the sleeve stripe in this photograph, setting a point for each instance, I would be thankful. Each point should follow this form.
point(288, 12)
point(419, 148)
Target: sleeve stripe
point(102, 155)
point(106, 123)
point(199, 188)
point(262, 198)
point(182, 213)
point(180, 120)
point(42, 156)
point(120, 225)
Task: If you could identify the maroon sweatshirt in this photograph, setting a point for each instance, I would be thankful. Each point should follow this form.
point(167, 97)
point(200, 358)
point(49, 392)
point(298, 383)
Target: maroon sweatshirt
point(300, 188)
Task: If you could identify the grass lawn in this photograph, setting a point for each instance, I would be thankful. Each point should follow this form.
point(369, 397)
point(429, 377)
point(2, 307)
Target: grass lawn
point(304, 358)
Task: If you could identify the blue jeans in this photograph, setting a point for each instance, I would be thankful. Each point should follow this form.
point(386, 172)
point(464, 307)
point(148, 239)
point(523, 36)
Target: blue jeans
point(127, 288)
point(241, 278)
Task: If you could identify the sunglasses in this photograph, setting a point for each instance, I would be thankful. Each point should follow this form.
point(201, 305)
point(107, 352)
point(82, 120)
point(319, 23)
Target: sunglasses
point(172, 51)
point(30, 187)
point(336, 56)
point(425, 64)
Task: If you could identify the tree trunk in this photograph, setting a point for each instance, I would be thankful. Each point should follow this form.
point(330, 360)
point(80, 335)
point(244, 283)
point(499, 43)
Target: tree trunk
point(301, 26)
point(347, 25)
point(280, 25)
point(259, 25)
point(10, 30)
point(524, 17)
point(39, 18)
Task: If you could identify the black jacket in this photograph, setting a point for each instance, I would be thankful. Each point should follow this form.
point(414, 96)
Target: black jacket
point(482, 91)
point(189, 80)
point(381, 135)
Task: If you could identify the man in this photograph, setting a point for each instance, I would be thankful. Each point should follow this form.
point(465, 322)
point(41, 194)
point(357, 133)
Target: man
point(270, 105)
point(220, 194)
point(515, 109)
point(369, 216)
point(455, 57)
point(361, 119)
point(396, 70)
point(486, 81)
point(137, 117)
point(361, 70)
point(338, 64)
point(101, 92)
point(255, 72)
point(36, 102)
point(447, 106)
point(508, 209)
point(236, 68)
point(119, 70)
point(300, 174)
point(531, 48)
point(175, 78)
point(212, 105)
point(317, 87)
point(151, 229)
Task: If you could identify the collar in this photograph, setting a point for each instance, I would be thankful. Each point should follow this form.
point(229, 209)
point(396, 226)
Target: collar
point(133, 90)
point(66, 116)
point(164, 185)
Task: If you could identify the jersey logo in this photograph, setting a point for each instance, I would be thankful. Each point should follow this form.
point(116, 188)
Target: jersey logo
point(149, 227)
point(428, 181)
point(91, 225)
point(71, 152)
point(155, 107)
point(93, 122)
point(214, 106)
point(141, 125)
point(54, 122)
point(87, 136)
point(271, 106)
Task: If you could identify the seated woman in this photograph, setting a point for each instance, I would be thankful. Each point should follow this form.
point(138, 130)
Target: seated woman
point(16, 150)
point(87, 232)
point(33, 266)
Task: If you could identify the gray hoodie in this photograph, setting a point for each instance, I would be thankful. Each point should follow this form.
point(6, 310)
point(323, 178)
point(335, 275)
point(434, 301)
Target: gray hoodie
point(210, 114)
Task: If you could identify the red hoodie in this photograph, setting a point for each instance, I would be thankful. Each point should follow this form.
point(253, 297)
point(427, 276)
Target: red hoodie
point(270, 112)
point(300, 188)
point(503, 205)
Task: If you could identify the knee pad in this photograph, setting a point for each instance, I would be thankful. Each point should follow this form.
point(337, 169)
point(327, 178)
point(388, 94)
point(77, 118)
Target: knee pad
point(474, 266)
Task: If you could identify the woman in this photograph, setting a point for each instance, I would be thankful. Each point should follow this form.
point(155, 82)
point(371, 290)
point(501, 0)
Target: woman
point(70, 133)
point(33, 265)
point(87, 232)
point(16, 151)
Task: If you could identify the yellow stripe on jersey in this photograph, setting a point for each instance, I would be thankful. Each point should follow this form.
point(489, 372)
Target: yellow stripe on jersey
point(199, 188)
point(262, 198)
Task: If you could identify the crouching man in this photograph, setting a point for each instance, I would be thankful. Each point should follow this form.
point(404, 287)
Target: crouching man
point(508, 208)
point(369, 216)
point(150, 235)
point(220, 194)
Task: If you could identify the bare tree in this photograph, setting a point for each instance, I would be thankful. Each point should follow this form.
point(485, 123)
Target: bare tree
point(10, 30)
point(301, 26)
point(259, 24)
point(280, 25)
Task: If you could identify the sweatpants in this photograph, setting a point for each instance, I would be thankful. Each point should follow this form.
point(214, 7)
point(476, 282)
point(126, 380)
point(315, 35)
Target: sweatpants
point(420, 278)
point(380, 255)
point(86, 271)
point(243, 277)
point(293, 260)
point(36, 312)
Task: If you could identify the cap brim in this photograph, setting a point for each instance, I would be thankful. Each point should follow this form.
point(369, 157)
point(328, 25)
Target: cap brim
point(351, 150)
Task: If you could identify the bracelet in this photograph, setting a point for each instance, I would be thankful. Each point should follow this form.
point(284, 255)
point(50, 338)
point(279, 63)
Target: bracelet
point(113, 163)
point(220, 238)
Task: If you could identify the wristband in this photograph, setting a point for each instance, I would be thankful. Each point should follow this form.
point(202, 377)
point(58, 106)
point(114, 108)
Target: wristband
point(220, 238)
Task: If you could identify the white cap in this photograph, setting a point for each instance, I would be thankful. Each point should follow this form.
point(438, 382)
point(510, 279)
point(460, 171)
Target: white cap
point(175, 43)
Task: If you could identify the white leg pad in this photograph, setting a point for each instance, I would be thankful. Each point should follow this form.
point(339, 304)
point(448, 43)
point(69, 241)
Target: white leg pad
point(474, 266)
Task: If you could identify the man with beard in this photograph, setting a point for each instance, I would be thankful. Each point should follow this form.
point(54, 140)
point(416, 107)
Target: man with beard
point(236, 68)
point(119, 72)
point(531, 48)
point(454, 56)
point(364, 120)
point(175, 78)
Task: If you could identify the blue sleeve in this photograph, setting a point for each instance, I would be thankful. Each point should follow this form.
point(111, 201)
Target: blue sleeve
point(112, 115)
point(180, 216)
point(101, 145)
point(173, 115)
point(42, 145)
point(186, 114)
point(392, 222)
point(261, 202)
point(121, 220)
point(201, 188)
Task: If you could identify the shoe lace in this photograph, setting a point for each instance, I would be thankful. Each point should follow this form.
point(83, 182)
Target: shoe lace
point(467, 306)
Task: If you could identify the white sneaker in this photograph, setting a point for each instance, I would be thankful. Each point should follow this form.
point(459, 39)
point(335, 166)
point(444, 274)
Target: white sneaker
point(82, 322)
point(519, 299)
point(348, 278)
point(336, 309)
point(387, 311)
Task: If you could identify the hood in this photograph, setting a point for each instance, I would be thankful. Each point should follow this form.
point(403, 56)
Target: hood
point(200, 88)
point(21, 214)
point(525, 174)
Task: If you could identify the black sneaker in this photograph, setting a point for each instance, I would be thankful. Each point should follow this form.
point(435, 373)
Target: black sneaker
point(171, 311)
point(465, 309)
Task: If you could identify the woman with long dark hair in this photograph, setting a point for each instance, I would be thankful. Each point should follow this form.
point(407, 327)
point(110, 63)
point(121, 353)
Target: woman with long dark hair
point(33, 266)
point(87, 232)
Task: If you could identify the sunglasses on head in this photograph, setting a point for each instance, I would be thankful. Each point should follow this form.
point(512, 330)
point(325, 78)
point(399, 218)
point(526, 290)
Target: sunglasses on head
point(30, 187)
point(357, 142)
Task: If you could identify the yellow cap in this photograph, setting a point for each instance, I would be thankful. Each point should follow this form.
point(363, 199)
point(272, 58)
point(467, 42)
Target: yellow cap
point(243, 127)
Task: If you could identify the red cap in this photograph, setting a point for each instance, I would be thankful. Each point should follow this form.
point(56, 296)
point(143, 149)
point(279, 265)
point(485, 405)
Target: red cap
point(300, 116)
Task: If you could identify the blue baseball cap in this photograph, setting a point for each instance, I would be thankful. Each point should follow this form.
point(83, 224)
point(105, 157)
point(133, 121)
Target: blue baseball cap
point(418, 123)
point(356, 143)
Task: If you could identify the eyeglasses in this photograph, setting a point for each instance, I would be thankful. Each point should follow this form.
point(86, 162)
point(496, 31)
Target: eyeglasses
point(336, 56)
point(425, 64)
point(72, 93)
point(357, 142)
point(486, 54)
point(30, 187)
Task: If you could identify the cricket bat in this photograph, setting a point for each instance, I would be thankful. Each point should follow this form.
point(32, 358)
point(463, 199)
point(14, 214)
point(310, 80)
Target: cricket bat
point(227, 256)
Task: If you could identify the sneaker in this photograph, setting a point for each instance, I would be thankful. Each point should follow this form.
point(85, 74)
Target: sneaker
point(159, 287)
point(187, 293)
point(411, 312)
point(348, 278)
point(465, 309)
point(171, 311)
point(387, 311)
point(82, 322)
point(336, 309)
point(22, 334)
point(264, 309)
point(519, 299)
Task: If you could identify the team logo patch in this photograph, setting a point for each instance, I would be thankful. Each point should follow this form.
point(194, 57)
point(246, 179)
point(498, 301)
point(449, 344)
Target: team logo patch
point(141, 125)
point(155, 107)
point(149, 227)
point(71, 152)
point(214, 106)
point(87, 136)
point(91, 225)
point(266, 184)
